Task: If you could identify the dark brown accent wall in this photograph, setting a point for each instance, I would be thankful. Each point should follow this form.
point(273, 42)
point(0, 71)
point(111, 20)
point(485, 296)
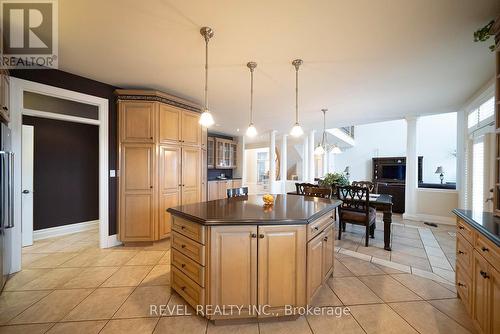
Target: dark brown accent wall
point(80, 84)
point(66, 172)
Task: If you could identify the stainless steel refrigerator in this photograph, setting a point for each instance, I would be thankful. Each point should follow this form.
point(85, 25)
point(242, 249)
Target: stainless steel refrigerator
point(6, 202)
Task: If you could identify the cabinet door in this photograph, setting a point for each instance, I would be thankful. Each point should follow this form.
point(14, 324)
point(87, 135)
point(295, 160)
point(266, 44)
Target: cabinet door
point(237, 184)
point(137, 193)
point(169, 124)
point(234, 155)
point(137, 121)
point(222, 189)
point(328, 239)
point(233, 273)
point(169, 186)
point(204, 184)
point(190, 128)
point(480, 292)
point(213, 190)
point(494, 300)
point(210, 152)
point(191, 175)
point(219, 154)
point(204, 137)
point(281, 266)
point(315, 263)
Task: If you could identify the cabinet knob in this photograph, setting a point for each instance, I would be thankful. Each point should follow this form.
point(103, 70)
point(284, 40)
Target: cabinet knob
point(150, 187)
point(461, 284)
point(484, 249)
point(253, 235)
point(460, 227)
point(460, 252)
point(5, 108)
point(316, 228)
point(261, 236)
point(183, 265)
point(325, 238)
point(150, 137)
point(183, 288)
point(183, 246)
point(484, 274)
point(183, 227)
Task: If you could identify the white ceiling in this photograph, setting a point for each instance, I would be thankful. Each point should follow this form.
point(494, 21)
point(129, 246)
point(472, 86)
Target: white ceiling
point(364, 60)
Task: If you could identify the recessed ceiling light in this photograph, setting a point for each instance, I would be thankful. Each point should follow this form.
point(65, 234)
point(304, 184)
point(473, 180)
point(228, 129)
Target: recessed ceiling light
point(238, 130)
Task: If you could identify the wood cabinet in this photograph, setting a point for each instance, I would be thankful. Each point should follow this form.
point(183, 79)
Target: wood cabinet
point(328, 252)
point(217, 189)
point(210, 152)
point(137, 121)
point(204, 181)
point(4, 95)
point(161, 157)
point(233, 274)
point(225, 153)
point(315, 254)
point(478, 278)
point(137, 194)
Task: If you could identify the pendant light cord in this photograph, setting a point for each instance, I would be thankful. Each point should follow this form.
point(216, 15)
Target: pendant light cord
point(206, 73)
point(296, 94)
point(251, 95)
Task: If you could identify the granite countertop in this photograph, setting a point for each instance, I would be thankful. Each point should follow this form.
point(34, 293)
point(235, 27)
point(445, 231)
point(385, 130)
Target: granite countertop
point(287, 209)
point(484, 222)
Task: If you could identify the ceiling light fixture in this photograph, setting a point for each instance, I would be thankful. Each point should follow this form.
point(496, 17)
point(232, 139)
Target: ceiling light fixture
point(324, 147)
point(297, 129)
point(251, 131)
point(206, 118)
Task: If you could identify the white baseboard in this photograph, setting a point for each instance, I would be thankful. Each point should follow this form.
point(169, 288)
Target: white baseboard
point(65, 229)
point(113, 241)
point(430, 218)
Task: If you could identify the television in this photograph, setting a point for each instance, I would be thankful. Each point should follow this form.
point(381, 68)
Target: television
point(394, 172)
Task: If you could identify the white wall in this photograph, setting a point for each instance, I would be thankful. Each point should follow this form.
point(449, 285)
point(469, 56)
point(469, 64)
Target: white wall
point(437, 143)
point(384, 139)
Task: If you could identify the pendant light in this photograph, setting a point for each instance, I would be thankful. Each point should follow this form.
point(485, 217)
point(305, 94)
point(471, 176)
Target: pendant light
point(251, 131)
point(206, 118)
point(297, 129)
point(324, 146)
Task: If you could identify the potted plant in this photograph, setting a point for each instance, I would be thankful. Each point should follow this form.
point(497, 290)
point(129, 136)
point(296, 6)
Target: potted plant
point(333, 180)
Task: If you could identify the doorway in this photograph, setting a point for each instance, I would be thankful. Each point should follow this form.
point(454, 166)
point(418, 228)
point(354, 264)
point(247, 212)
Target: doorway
point(39, 100)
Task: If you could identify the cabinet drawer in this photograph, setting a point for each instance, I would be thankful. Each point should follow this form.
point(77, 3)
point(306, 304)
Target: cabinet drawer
point(192, 293)
point(319, 225)
point(465, 230)
point(464, 287)
point(190, 268)
point(189, 229)
point(189, 248)
point(464, 252)
point(488, 250)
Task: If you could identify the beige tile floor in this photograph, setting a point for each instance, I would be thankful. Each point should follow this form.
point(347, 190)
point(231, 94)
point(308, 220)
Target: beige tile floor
point(69, 285)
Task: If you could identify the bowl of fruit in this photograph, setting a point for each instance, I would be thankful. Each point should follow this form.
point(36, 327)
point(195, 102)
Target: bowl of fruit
point(268, 199)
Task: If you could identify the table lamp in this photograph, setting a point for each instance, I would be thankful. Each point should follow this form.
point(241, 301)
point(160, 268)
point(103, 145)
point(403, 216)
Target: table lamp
point(440, 171)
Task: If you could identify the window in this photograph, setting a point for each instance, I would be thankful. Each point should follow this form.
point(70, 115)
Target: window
point(262, 167)
point(482, 115)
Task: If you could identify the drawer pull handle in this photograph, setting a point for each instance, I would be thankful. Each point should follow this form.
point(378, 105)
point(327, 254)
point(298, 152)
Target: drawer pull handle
point(183, 246)
point(460, 284)
point(183, 265)
point(484, 249)
point(460, 227)
point(316, 228)
point(183, 227)
point(253, 235)
point(261, 236)
point(484, 274)
point(460, 252)
point(183, 288)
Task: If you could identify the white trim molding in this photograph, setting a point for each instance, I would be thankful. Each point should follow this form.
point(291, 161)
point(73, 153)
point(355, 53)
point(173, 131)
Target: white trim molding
point(420, 217)
point(17, 88)
point(58, 231)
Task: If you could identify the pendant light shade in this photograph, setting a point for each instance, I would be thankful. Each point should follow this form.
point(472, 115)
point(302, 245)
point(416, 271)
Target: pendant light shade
point(297, 129)
point(324, 147)
point(336, 150)
point(206, 118)
point(319, 150)
point(251, 131)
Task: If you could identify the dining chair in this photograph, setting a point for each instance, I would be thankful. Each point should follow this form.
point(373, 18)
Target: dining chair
point(372, 186)
point(355, 209)
point(300, 187)
point(318, 192)
point(237, 192)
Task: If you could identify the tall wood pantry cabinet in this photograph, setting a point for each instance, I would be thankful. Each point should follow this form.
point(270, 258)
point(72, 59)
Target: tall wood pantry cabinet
point(162, 159)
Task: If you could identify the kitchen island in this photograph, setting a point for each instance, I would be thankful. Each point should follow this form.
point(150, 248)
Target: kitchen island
point(249, 259)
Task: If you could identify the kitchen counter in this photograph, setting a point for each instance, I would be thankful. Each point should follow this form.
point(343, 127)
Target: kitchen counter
point(287, 209)
point(236, 251)
point(484, 222)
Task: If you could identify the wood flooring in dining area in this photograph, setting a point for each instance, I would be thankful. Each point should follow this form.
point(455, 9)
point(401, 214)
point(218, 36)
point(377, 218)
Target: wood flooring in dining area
point(69, 285)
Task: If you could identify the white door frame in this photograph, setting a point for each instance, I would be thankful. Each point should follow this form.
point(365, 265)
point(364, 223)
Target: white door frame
point(17, 87)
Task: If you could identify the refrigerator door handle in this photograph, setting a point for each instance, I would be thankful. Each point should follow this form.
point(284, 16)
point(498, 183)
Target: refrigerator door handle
point(11, 189)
